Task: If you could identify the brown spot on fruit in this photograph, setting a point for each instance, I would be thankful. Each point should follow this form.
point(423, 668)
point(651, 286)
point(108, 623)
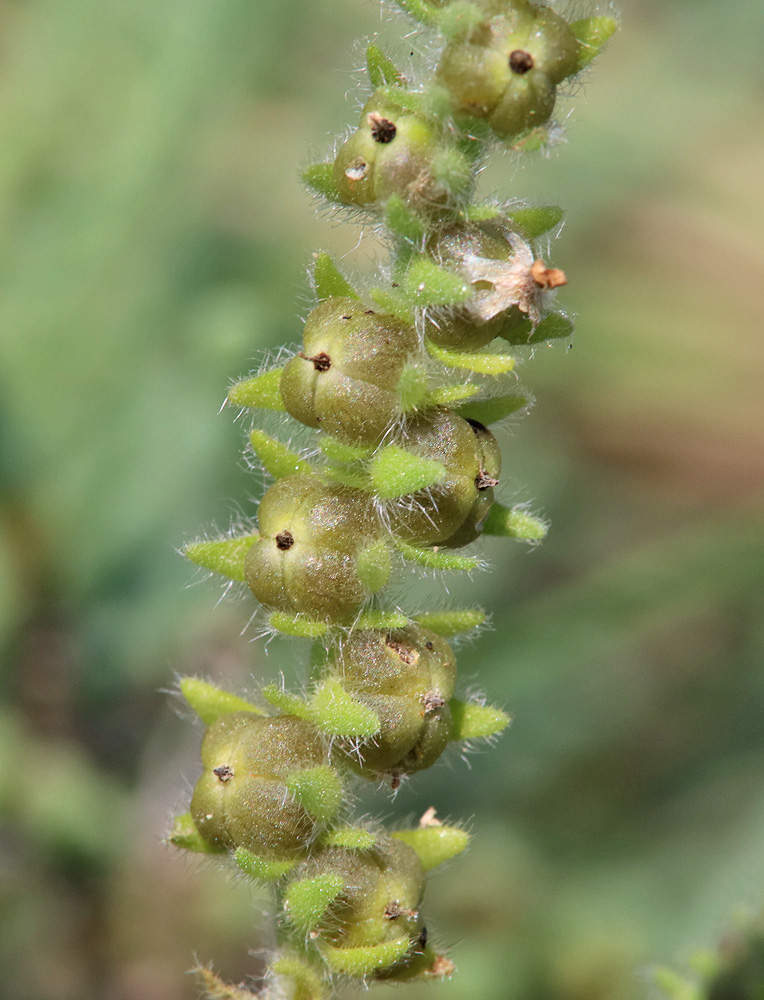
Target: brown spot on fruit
point(382, 129)
point(357, 170)
point(520, 61)
point(405, 653)
point(284, 540)
point(393, 910)
point(224, 773)
point(432, 701)
point(484, 481)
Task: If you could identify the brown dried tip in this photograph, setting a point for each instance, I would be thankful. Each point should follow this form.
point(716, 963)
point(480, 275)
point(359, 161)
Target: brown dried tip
point(224, 773)
point(393, 910)
point(520, 61)
point(485, 482)
point(406, 654)
point(321, 362)
point(547, 277)
point(429, 818)
point(441, 967)
point(284, 540)
point(382, 129)
point(432, 701)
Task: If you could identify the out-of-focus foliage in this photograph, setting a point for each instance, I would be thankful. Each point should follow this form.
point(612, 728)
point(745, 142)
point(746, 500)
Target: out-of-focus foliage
point(155, 240)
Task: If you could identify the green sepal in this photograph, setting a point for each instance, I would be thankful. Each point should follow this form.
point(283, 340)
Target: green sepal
point(441, 560)
point(307, 985)
point(328, 281)
point(338, 451)
point(434, 844)
point(383, 620)
point(482, 213)
point(382, 69)
point(365, 961)
point(592, 33)
point(349, 838)
point(277, 459)
point(533, 140)
point(318, 790)
point(289, 704)
point(393, 303)
point(297, 625)
point(449, 395)
point(210, 702)
point(261, 391)
point(420, 10)
point(356, 479)
point(214, 988)
point(307, 900)
point(450, 623)
point(555, 326)
point(490, 411)
point(395, 472)
point(459, 19)
point(514, 522)
point(535, 221)
point(428, 284)
point(412, 388)
point(336, 713)
point(320, 177)
point(373, 566)
point(472, 721)
point(261, 868)
point(433, 103)
point(222, 555)
point(474, 361)
point(184, 834)
point(402, 221)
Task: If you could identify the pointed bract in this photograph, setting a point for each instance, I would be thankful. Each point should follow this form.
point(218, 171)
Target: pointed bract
point(222, 555)
point(434, 844)
point(474, 721)
point(210, 702)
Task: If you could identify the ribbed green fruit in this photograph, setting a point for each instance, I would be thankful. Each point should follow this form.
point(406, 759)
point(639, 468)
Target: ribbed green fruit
point(345, 379)
point(361, 908)
point(319, 551)
point(249, 794)
point(407, 677)
point(450, 512)
point(499, 265)
point(394, 151)
point(507, 69)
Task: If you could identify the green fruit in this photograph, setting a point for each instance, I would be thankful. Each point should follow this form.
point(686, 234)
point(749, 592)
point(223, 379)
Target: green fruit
point(398, 152)
point(361, 908)
point(449, 512)
point(319, 552)
point(508, 284)
point(407, 677)
point(507, 69)
point(346, 378)
point(245, 798)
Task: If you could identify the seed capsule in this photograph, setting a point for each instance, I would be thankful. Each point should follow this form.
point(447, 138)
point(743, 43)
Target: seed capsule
point(394, 151)
point(509, 284)
point(450, 512)
point(248, 795)
point(345, 379)
point(407, 677)
point(319, 551)
point(374, 902)
point(508, 68)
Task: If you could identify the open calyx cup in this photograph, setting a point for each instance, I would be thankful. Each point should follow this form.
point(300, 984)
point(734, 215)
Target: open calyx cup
point(396, 384)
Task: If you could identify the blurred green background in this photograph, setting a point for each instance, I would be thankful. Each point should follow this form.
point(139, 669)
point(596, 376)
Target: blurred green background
point(155, 240)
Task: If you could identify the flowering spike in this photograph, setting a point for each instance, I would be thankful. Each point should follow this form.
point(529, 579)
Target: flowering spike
point(328, 280)
point(434, 844)
point(262, 391)
point(450, 623)
point(394, 472)
point(430, 558)
point(483, 364)
point(592, 33)
point(514, 522)
point(210, 702)
point(259, 868)
point(222, 555)
point(278, 460)
point(308, 900)
point(336, 713)
point(382, 69)
point(184, 834)
point(473, 721)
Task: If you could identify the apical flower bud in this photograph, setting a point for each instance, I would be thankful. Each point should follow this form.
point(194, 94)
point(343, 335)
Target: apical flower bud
point(361, 908)
point(345, 379)
point(395, 151)
point(319, 552)
point(448, 513)
point(509, 282)
point(267, 785)
point(407, 677)
point(506, 70)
